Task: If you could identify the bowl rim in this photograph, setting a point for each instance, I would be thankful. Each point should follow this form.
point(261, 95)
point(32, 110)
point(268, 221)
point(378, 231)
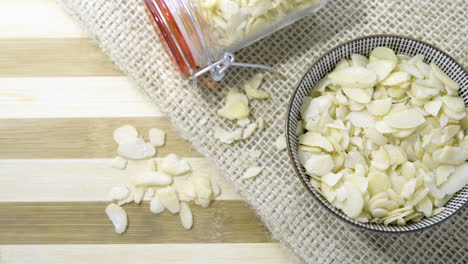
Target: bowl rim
point(288, 141)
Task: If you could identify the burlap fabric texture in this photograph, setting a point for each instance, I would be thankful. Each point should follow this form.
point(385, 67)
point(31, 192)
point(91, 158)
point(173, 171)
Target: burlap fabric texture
point(123, 31)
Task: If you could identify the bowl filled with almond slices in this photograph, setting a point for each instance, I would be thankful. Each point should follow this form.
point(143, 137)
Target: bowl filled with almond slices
point(376, 131)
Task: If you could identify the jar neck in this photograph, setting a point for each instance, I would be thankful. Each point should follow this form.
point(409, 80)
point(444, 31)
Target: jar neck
point(177, 25)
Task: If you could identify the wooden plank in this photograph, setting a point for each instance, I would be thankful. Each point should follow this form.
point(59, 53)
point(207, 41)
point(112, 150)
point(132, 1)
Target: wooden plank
point(74, 97)
point(77, 180)
point(36, 19)
point(241, 253)
point(78, 138)
point(86, 223)
point(53, 57)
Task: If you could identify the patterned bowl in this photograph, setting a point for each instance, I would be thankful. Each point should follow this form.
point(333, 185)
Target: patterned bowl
point(363, 46)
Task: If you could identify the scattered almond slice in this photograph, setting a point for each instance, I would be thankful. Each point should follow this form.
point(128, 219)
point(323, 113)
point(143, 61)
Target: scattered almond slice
point(156, 207)
point(118, 217)
point(119, 192)
point(236, 106)
point(152, 178)
point(261, 123)
point(136, 149)
point(243, 122)
point(186, 217)
point(252, 86)
point(280, 143)
point(157, 137)
point(124, 133)
point(138, 195)
point(249, 131)
point(227, 136)
point(119, 163)
point(174, 165)
point(252, 172)
point(215, 188)
point(168, 197)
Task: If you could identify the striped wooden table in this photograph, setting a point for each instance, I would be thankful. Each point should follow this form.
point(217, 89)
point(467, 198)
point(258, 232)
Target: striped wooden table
point(60, 100)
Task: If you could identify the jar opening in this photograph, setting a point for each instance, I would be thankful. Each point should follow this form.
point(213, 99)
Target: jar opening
point(171, 36)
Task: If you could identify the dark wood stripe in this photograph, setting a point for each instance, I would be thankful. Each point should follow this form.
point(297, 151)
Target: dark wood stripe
point(53, 57)
point(86, 223)
point(78, 137)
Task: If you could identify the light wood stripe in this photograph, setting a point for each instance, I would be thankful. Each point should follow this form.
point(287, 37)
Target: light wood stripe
point(86, 223)
point(53, 58)
point(77, 138)
point(80, 180)
point(260, 253)
point(36, 19)
point(74, 97)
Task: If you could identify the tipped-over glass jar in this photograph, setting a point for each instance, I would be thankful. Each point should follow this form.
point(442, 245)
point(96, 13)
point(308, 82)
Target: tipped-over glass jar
point(201, 34)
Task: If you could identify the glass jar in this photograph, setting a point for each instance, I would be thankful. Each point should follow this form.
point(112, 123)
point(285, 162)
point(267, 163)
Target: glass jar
point(198, 34)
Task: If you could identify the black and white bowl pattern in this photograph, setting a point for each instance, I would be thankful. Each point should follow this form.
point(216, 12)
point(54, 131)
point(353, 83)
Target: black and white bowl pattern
point(363, 46)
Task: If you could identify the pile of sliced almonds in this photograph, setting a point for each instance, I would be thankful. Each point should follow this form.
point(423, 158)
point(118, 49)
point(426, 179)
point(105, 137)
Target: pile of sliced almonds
point(383, 139)
point(168, 182)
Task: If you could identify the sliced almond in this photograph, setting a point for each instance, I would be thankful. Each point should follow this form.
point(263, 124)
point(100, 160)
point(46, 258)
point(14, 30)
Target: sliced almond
point(359, 95)
point(118, 217)
point(450, 155)
point(313, 139)
point(331, 179)
point(156, 207)
point(136, 149)
point(380, 107)
point(236, 106)
point(433, 107)
point(243, 122)
point(168, 197)
point(249, 131)
point(119, 163)
point(355, 77)
point(361, 119)
point(228, 137)
point(124, 133)
point(252, 87)
point(382, 68)
point(354, 203)
point(404, 119)
point(252, 172)
point(319, 164)
point(152, 178)
point(119, 192)
point(396, 78)
point(138, 195)
point(157, 137)
point(444, 78)
point(186, 217)
point(456, 181)
point(174, 165)
point(380, 159)
point(359, 60)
